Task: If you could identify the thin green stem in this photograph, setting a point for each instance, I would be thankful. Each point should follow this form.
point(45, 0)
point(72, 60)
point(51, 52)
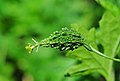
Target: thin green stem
point(103, 55)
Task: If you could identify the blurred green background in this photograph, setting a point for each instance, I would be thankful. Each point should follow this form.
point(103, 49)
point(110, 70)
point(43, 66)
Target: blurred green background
point(21, 20)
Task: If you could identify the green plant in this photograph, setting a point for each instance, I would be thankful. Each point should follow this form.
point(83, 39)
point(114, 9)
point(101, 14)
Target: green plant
point(21, 20)
point(105, 38)
point(67, 40)
point(64, 40)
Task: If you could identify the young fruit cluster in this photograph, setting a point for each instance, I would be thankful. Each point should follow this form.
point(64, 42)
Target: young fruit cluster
point(65, 39)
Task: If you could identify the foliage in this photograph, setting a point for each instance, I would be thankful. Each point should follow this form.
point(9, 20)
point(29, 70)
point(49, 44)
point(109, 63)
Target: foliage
point(21, 20)
point(107, 39)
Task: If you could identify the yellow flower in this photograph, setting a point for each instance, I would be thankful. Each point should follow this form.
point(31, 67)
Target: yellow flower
point(29, 48)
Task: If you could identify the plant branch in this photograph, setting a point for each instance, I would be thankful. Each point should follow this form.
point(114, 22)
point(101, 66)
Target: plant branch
point(90, 48)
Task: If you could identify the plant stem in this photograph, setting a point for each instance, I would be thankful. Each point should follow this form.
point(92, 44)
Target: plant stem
point(103, 55)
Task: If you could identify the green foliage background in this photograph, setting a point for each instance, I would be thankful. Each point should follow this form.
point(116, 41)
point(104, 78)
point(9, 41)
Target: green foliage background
point(21, 20)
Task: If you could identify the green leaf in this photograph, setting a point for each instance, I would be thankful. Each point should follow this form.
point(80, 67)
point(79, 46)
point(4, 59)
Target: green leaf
point(108, 37)
point(90, 61)
point(111, 5)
